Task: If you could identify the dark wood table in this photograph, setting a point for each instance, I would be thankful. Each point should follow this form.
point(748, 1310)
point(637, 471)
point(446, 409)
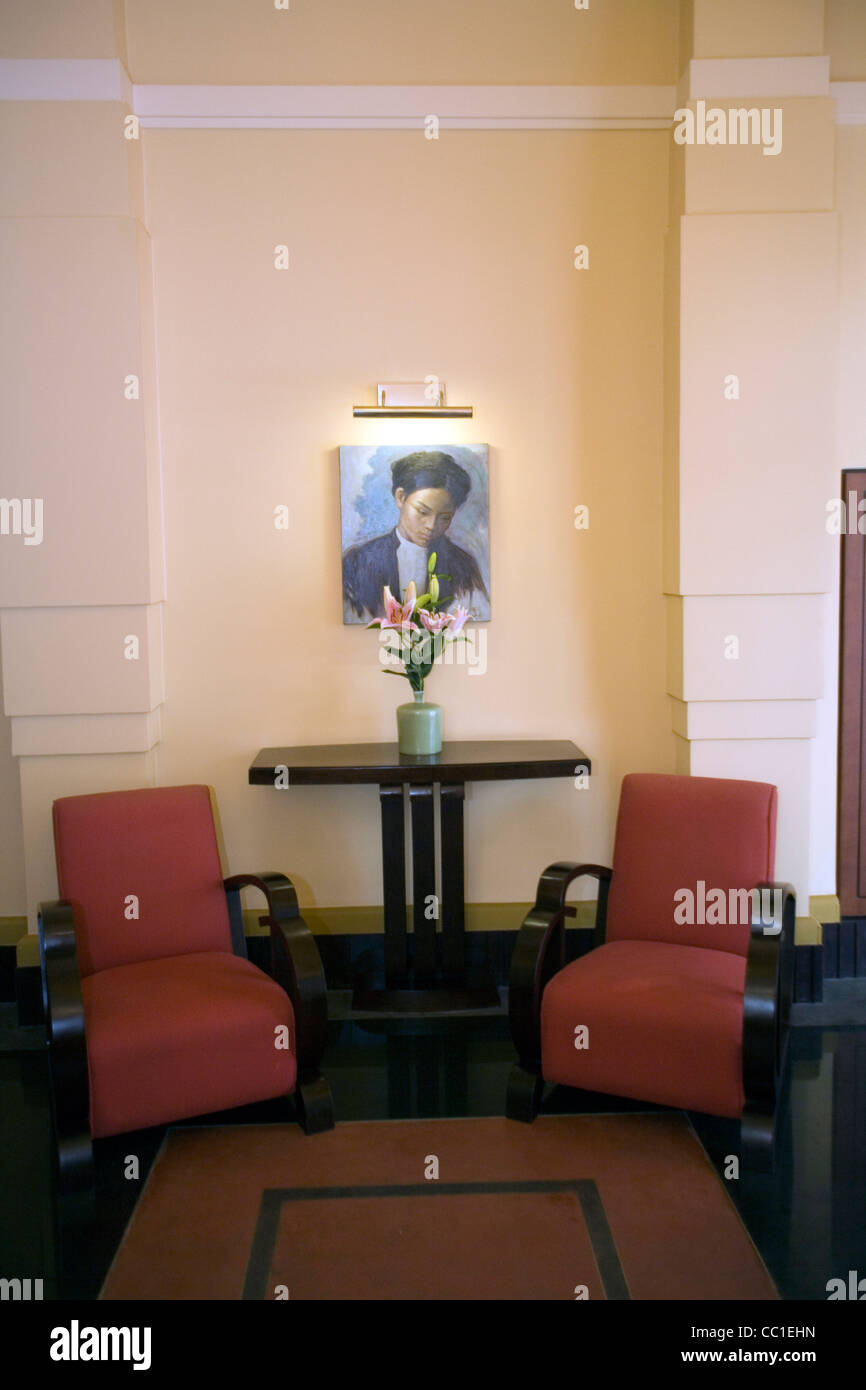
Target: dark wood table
point(430, 978)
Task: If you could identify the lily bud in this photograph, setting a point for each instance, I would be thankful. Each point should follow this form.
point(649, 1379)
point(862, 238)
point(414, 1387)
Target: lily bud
point(434, 588)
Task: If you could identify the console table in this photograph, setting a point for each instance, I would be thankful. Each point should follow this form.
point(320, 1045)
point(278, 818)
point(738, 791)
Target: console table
point(431, 977)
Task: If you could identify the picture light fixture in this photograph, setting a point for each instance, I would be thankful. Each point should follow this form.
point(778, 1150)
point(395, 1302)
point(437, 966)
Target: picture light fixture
point(418, 400)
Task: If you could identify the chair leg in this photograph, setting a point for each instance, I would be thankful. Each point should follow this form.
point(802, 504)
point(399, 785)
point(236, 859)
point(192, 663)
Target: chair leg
point(758, 1140)
point(75, 1164)
point(73, 1203)
point(524, 1093)
point(315, 1105)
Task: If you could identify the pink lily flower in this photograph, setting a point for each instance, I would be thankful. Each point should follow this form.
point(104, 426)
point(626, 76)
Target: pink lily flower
point(434, 622)
point(456, 621)
point(397, 614)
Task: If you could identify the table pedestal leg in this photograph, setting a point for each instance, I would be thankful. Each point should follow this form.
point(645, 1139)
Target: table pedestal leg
point(451, 812)
point(424, 913)
point(428, 987)
point(394, 881)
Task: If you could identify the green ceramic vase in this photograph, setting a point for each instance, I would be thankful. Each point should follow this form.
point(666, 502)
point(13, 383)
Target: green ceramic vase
point(419, 727)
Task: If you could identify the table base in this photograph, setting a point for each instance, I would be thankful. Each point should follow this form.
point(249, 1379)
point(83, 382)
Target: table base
point(446, 999)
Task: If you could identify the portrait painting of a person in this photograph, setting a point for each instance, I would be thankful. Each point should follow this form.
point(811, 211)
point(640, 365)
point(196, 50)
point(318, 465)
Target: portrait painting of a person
point(436, 503)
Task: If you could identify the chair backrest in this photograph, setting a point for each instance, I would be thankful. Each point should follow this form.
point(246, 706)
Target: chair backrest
point(679, 838)
point(152, 852)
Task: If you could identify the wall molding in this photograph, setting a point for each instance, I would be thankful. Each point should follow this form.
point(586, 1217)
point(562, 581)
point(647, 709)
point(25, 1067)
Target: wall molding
point(64, 79)
point(203, 107)
point(738, 719)
point(755, 77)
point(405, 108)
point(850, 102)
point(63, 734)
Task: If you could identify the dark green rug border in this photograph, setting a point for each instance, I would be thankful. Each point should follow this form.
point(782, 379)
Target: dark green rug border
point(273, 1199)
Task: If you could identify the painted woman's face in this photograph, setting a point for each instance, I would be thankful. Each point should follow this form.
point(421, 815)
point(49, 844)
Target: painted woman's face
point(426, 514)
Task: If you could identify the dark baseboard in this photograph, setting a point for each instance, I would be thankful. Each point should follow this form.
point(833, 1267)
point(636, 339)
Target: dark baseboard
point(353, 961)
point(28, 995)
point(843, 1005)
point(7, 972)
point(808, 974)
point(845, 949)
point(357, 961)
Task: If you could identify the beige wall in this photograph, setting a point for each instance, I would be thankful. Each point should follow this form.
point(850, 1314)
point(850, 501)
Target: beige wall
point(58, 29)
point(850, 452)
point(76, 294)
point(409, 257)
point(403, 41)
point(752, 300)
point(851, 201)
point(845, 39)
point(751, 28)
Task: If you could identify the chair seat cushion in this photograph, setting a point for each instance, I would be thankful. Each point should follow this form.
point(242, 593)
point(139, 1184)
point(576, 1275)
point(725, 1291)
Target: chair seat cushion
point(664, 1024)
point(183, 1036)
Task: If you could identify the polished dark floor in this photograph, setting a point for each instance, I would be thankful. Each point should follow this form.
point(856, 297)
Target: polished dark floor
point(808, 1220)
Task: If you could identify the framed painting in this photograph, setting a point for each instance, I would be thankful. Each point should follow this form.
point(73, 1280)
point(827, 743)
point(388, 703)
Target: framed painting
point(399, 504)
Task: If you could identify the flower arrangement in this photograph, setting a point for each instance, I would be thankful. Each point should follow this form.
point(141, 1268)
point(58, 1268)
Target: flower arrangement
point(419, 643)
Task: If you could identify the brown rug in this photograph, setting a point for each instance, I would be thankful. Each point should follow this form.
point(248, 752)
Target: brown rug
point(621, 1206)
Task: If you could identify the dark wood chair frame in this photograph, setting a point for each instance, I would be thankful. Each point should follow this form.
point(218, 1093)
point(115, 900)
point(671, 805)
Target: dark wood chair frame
point(539, 954)
point(295, 965)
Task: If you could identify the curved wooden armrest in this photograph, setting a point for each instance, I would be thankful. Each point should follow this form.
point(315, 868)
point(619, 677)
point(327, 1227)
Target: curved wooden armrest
point(768, 995)
point(296, 963)
point(67, 1045)
point(539, 952)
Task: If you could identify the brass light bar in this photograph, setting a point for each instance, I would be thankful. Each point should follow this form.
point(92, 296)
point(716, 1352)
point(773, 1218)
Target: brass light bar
point(418, 412)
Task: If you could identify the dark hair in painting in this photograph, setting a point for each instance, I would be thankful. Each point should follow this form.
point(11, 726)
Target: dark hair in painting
point(431, 468)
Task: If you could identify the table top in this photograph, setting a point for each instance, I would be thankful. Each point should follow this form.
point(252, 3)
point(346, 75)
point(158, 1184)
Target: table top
point(483, 760)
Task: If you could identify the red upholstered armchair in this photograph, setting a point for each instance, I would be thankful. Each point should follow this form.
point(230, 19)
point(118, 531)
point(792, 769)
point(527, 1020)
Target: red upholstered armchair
point(684, 999)
point(153, 1011)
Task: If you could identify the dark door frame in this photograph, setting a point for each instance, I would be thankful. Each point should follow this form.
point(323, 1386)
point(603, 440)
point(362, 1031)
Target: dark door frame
point(851, 784)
